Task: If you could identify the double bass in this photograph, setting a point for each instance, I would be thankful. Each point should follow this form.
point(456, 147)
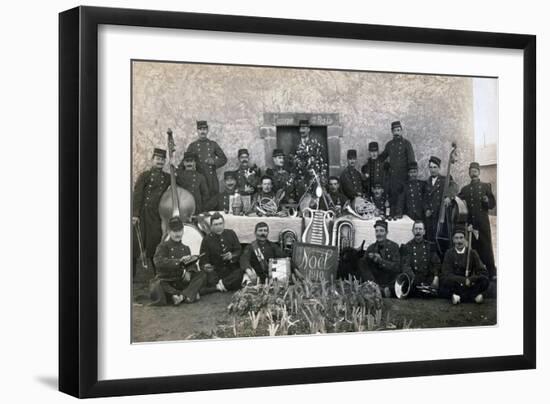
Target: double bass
point(176, 201)
point(456, 212)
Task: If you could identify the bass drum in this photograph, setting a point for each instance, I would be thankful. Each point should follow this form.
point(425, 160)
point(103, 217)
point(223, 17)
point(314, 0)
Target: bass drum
point(192, 237)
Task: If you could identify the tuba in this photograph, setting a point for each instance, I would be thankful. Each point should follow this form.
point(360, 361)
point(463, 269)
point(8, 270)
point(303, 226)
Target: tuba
point(287, 239)
point(343, 234)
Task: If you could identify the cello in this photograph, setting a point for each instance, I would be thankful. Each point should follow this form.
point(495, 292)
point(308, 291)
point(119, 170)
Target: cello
point(176, 201)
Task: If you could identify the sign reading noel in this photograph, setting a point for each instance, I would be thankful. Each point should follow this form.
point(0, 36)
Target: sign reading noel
point(318, 262)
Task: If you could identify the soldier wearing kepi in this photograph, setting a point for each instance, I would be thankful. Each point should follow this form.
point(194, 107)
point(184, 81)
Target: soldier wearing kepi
point(400, 153)
point(255, 257)
point(210, 157)
point(435, 185)
point(221, 201)
point(222, 251)
point(413, 195)
point(148, 190)
point(463, 279)
point(419, 257)
point(178, 278)
point(282, 178)
point(248, 178)
point(189, 178)
point(352, 181)
point(479, 198)
point(381, 262)
point(373, 169)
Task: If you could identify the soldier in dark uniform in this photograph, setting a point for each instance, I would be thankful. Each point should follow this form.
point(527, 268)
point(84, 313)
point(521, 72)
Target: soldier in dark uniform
point(210, 157)
point(177, 278)
point(413, 196)
point(434, 196)
point(220, 202)
point(419, 258)
point(380, 201)
point(352, 181)
point(455, 282)
point(265, 191)
point(400, 153)
point(373, 169)
point(255, 257)
point(381, 262)
point(148, 190)
point(189, 178)
point(222, 251)
point(479, 198)
point(308, 159)
point(282, 178)
point(248, 178)
point(335, 199)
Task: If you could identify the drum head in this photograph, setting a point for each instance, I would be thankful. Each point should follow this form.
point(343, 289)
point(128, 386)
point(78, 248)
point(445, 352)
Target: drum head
point(192, 237)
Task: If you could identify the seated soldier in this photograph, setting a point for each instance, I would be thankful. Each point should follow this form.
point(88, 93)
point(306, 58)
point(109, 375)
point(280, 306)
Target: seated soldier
point(457, 281)
point(189, 178)
point(265, 192)
point(420, 260)
point(335, 199)
point(380, 201)
point(220, 202)
point(381, 262)
point(178, 277)
point(256, 255)
point(222, 250)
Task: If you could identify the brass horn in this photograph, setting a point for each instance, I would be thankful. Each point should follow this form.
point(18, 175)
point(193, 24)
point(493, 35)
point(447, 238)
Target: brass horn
point(343, 234)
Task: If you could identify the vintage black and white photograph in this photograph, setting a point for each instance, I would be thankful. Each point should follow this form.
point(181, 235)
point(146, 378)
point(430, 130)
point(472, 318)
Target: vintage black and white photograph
point(280, 201)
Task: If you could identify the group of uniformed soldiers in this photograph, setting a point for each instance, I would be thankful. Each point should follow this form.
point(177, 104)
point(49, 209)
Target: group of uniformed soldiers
point(388, 179)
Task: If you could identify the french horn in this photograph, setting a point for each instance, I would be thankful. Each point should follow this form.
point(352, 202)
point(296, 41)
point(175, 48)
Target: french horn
point(361, 208)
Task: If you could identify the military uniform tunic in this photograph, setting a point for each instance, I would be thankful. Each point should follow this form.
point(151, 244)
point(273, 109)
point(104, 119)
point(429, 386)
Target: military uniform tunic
point(453, 274)
point(400, 153)
point(169, 279)
point(205, 149)
point(249, 259)
point(478, 217)
point(380, 205)
point(421, 260)
point(411, 199)
point(384, 272)
point(282, 179)
point(337, 198)
point(194, 182)
point(375, 173)
point(148, 189)
point(352, 182)
point(214, 246)
point(220, 202)
point(433, 201)
point(244, 179)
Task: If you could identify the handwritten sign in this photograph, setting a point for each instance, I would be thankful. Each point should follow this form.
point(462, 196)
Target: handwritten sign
point(318, 262)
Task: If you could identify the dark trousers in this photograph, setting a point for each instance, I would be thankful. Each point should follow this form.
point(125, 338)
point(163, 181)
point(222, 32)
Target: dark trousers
point(449, 287)
point(231, 280)
point(161, 291)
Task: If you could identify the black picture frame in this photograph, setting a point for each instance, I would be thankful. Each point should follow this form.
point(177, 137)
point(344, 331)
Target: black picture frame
point(78, 196)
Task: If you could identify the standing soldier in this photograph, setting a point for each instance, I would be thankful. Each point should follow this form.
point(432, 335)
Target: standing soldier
point(400, 154)
point(373, 169)
point(210, 157)
point(189, 178)
point(413, 195)
point(282, 179)
point(435, 185)
point(479, 198)
point(221, 201)
point(353, 182)
point(248, 178)
point(148, 190)
point(308, 160)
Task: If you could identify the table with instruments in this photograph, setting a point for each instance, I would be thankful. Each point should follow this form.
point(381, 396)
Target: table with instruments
point(243, 226)
point(399, 231)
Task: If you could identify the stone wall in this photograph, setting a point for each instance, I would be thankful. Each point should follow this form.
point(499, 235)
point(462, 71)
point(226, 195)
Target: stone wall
point(434, 110)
